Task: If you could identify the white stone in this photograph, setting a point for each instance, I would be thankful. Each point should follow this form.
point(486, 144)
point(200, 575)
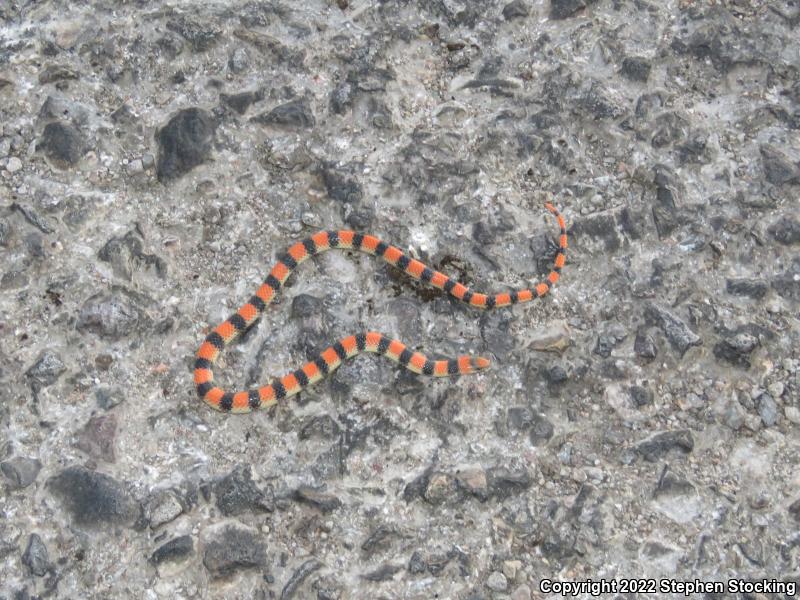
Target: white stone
point(792, 414)
point(497, 582)
point(13, 165)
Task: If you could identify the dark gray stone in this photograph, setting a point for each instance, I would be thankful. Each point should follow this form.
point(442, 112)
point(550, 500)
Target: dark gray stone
point(736, 348)
point(515, 10)
point(237, 493)
point(35, 556)
point(657, 446)
point(234, 549)
point(504, 482)
point(184, 143)
point(752, 288)
point(176, 549)
point(95, 499)
point(296, 114)
point(644, 346)
point(305, 306)
point(678, 333)
point(786, 230)
point(298, 577)
point(46, 370)
point(241, 102)
point(541, 430)
point(20, 471)
point(561, 9)
point(641, 396)
point(317, 498)
point(636, 68)
point(341, 187)
point(787, 284)
point(62, 144)
point(778, 168)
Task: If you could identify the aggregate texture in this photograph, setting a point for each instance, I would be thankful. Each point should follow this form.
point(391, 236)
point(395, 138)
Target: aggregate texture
point(642, 420)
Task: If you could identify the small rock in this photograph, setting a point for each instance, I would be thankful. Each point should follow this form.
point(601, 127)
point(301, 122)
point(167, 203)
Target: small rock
point(35, 556)
point(53, 73)
point(237, 493)
point(514, 10)
point(472, 479)
point(341, 187)
point(417, 564)
point(556, 375)
point(678, 333)
point(641, 396)
point(504, 482)
point(62, 144)
point(497, 582)
point(108, 398)
point(511, 568)
point(383, 573)
point(541, 430)
point(98, 436)
point(442, 488)
point(523, 592)
point(109, 315)
point(636, 68)
point(13, 165)
point(242, 101)
point(135, 166)
point(174, 550)
point(234, 549)
point(20, 471)
point(317, 498)
point(645, 346)
point(298, 577)
point(752, 288)
point(162, 507)
point(46, 370)
point(658, 445)
point(794, 510)
point(786, 230)
point(735, 349)
point(519, 418)
point(562, 9)
point(555, 338)
point(305, 306)
point(767, 409)
point(778, 168)
point(184, 143)
point(239, 60)
point(197, 33)
point(94, 498)
point(293, 114)
point(381, 539)
point(792, 413)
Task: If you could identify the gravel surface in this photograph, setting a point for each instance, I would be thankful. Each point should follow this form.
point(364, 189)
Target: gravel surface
point(643, 420)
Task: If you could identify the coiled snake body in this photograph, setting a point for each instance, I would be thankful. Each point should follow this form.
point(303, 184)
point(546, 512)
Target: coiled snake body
point(332, 357)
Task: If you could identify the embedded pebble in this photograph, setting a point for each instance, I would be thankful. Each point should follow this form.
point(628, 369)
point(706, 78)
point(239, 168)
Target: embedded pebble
point(13, 164)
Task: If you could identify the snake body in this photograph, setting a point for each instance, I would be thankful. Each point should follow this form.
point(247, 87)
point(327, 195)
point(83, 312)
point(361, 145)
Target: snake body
point(331, 358)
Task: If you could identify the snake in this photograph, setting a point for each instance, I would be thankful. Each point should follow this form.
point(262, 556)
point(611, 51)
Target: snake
point(371, 341)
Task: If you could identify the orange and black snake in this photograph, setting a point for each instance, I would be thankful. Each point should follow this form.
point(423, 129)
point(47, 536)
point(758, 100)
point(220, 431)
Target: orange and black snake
point(331, 358)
